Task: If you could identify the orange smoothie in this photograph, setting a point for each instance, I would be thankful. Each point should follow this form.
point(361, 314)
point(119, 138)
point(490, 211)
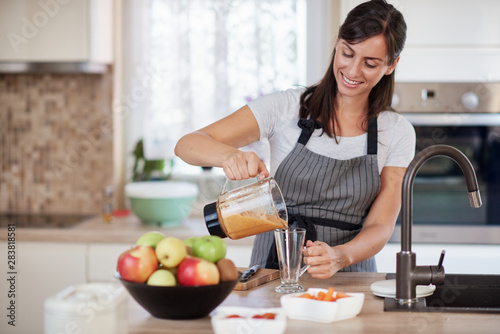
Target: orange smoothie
point(249, 223)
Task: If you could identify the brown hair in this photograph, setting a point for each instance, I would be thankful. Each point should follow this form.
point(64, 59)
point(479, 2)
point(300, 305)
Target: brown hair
point(367, 20)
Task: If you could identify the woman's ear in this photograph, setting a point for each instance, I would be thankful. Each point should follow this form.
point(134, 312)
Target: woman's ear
point(392, 67)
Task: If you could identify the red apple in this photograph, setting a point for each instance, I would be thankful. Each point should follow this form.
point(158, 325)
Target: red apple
point(193, 271)
point(137, 264)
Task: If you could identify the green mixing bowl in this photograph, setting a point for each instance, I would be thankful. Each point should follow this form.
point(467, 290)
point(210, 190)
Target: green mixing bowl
point(161, 203)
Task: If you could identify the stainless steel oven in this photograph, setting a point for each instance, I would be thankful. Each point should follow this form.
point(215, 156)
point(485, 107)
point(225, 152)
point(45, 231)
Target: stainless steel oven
point(466, 116)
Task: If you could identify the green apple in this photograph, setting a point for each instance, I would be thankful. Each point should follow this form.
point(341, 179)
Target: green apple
point(170, 251)
point(150, 239)
point(162, 277)
point(211, 248)
point(190, 241)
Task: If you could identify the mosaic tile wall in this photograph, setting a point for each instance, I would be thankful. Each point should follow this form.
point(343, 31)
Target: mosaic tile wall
point(55, 142)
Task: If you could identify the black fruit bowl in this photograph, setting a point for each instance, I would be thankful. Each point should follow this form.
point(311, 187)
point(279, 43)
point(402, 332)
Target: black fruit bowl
point(178, 302)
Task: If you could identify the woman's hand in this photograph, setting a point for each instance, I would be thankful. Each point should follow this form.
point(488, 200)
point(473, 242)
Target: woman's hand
point(218, 144)
point(324, 260)
point(244, 165)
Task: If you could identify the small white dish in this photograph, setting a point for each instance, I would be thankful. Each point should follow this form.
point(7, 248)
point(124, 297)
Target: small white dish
point(322, 311)
point(387, 289)
point(221, 324)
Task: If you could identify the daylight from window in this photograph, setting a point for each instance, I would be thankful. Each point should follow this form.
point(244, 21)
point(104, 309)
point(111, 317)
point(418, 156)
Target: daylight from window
point(213, 56)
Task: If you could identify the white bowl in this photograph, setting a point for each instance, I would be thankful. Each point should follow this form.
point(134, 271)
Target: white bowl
point(223, 325)
point(322, 311)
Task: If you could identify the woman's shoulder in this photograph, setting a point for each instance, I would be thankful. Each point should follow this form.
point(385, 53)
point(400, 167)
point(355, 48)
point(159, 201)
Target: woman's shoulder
point(280, 103)
point(390, 119)
point(277, 112)
point(288, 96)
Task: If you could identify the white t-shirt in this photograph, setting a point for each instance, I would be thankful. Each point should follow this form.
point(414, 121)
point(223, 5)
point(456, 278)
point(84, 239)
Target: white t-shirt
point(278, 113)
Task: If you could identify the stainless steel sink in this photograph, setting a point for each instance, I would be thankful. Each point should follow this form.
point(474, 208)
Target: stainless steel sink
point(460, 293)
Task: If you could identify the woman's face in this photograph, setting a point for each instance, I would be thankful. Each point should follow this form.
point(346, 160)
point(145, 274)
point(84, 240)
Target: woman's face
point(359, 67)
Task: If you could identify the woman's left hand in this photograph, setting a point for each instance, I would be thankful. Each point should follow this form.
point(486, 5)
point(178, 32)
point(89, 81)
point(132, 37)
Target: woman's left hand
point(324, 260)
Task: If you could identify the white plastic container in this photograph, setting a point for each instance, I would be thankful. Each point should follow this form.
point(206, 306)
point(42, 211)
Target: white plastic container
point(246, 324)
point(322, 311)
point(87, 308)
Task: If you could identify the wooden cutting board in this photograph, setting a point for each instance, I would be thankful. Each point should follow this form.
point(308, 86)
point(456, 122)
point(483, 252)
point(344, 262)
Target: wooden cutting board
point(262, 276)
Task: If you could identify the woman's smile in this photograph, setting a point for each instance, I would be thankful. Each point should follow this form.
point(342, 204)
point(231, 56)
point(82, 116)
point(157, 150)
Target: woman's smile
point(350, 83)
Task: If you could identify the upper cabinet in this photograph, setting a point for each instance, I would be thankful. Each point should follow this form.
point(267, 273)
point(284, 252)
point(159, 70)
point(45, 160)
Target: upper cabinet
point(56, 31)
point(447, 40)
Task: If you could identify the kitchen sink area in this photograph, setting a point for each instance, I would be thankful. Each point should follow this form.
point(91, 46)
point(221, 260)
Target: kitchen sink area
point(466, 293)
point(462, 293)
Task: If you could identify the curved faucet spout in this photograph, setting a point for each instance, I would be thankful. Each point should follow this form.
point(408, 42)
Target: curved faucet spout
point(408, 274)
point(411, 172)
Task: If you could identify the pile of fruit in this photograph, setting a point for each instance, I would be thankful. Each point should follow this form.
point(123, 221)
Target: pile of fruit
point(162, 260)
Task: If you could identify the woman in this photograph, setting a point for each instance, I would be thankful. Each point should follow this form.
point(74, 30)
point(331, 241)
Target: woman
point(337, 153)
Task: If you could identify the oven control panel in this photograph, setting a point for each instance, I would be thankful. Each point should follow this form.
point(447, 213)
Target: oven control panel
point(447, 97)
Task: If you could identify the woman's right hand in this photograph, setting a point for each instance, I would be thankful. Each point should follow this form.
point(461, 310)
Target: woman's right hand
point(244, 165)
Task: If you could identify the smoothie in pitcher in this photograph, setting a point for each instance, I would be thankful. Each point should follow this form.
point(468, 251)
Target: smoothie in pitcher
point(250, 223)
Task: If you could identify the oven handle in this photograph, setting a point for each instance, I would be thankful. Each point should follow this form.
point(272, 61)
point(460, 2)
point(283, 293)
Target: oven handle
point(452, 119)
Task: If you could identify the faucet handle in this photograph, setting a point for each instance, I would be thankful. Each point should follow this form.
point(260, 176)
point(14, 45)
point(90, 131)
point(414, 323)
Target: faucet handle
point(441, 259)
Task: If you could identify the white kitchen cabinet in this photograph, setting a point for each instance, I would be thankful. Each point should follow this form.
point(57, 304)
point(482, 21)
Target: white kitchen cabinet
point(42, 270)
point(447, 40)
point(56, 31)
point(102, 260)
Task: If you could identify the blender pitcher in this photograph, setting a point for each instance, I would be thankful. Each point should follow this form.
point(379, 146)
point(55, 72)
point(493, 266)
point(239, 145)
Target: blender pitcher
point(249, 210)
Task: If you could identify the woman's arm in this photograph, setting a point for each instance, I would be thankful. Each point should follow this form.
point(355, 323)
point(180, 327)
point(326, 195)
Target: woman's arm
point(217, 145)
point(325, 261)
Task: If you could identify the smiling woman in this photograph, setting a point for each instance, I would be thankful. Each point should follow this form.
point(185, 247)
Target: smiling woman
point(337, 151)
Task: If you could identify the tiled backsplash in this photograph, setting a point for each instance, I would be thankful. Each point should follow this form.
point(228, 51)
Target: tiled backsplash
point(55, 142)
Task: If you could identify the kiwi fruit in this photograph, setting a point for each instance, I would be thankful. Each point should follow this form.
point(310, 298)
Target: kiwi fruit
point(227, 270)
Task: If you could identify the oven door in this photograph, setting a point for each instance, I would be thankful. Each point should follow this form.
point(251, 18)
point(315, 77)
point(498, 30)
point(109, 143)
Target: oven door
point(441, 208)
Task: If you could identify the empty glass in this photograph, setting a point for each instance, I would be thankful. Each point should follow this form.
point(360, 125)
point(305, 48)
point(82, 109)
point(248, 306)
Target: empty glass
point(290, 245)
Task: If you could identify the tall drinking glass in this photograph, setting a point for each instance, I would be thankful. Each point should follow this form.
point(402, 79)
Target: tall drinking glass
point(289, 245)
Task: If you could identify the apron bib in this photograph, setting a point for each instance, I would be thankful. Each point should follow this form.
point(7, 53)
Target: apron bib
point(330, 198)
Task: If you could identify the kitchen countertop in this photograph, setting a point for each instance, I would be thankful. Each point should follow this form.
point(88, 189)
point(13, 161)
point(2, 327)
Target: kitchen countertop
point(372, 318)
point(121, 230)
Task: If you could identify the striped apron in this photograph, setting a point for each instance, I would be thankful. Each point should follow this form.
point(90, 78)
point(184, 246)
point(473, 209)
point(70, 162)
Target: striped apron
point(328, 197)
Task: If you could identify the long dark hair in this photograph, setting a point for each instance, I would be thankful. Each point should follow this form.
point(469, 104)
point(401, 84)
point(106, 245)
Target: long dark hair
point(367, 20)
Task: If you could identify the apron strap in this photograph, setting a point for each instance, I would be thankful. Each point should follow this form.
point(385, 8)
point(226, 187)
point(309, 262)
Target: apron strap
point(372, 136)
point(308, 126)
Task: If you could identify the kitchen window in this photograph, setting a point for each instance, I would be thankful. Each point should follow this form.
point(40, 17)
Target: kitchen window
point(187, 63)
